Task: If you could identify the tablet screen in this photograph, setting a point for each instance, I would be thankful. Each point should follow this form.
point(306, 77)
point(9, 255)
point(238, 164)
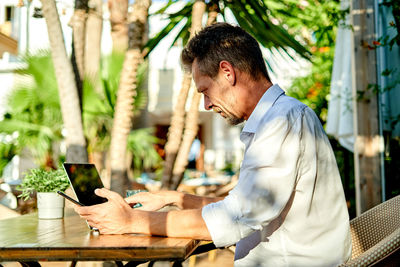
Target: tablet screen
point(84, 179)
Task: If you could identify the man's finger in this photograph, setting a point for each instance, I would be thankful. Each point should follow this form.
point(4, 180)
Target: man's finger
point(136, 198)
point(105, 193)
point(83, 210)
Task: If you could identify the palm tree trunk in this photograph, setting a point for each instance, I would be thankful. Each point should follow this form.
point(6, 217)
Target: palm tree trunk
point(78, 24)
point(213, 11)
point(125, 99)
point(118, 19)
point(69, 100)
point(94, 26)
point(191, 125)
point(175, 130)
point(191, 129)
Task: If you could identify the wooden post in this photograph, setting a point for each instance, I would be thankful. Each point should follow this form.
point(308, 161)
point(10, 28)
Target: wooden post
point(368, 142)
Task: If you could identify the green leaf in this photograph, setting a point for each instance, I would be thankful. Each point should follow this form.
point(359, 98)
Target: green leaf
point(40, 180)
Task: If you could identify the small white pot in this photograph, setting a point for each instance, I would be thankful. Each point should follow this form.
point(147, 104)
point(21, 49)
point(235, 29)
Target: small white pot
point(50, 205)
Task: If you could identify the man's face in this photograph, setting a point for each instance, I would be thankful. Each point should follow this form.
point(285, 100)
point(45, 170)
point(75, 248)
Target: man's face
point(219, 95)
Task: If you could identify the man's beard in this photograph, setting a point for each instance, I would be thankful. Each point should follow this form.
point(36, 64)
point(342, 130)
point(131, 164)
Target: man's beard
point(231, 119)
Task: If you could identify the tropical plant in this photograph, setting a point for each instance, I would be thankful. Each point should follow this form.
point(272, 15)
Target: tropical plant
point(313, 89)
point(7, 151)
point(319, 38)
point(33, 109)
point(68, 93)
point(41, 180)
point(98, 109)
point(124, 106)
point(141, 145)
point(254, 16)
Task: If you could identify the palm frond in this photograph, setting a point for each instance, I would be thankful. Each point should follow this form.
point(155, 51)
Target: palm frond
point(10, 126)
point(164, 8)
point(174, 20)
point(33, 108)
point(141, 144)
point(253, 17)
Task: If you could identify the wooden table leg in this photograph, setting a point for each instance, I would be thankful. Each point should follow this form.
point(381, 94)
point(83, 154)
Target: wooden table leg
point(30, 264)
point(177, 264)
point(132, 263)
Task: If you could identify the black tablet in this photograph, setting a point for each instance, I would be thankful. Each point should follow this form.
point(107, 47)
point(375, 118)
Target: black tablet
point(84, 179)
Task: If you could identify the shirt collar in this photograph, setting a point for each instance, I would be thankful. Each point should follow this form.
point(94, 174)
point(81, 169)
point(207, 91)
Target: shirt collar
point(263, 105)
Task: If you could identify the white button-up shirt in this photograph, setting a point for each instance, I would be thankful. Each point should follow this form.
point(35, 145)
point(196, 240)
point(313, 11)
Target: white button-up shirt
point(288, 208)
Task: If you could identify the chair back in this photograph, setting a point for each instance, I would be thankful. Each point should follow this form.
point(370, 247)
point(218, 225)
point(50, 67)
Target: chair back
point(375, 233)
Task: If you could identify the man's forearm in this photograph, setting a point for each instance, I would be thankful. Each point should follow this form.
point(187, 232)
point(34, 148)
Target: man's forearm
point(188, 201)
point(178, 223)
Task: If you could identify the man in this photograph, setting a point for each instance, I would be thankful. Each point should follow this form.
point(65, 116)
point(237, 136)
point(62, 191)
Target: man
point(288, 208)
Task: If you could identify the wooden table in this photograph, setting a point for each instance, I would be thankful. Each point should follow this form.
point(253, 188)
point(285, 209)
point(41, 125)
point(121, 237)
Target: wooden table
point(28, 239)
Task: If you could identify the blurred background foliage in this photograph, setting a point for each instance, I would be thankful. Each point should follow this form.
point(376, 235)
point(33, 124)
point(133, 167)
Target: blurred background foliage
point(316, 22)
point(33, 117)
point(7, 151)
point(98, 112)
point(33, 114)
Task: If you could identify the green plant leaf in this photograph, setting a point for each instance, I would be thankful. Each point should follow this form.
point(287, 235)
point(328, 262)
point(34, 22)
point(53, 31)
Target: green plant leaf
point(40, 180)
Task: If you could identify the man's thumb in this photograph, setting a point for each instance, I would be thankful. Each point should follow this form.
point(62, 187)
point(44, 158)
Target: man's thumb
point(103, 192)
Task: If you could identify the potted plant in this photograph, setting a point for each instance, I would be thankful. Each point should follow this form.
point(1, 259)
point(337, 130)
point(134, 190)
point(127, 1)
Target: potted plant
point(46, 184)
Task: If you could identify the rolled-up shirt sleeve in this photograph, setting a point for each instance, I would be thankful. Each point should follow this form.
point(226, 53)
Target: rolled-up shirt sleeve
point(267, 179)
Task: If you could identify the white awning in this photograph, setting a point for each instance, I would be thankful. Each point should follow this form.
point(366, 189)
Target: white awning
point(340, 110)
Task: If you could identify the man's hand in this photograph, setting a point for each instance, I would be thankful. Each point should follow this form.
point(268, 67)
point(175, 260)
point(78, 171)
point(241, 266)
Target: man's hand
point(153, 201)
point(112, 217)
point(117, 217)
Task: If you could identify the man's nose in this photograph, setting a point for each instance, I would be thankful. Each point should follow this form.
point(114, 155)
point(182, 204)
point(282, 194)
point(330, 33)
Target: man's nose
point(207, 103)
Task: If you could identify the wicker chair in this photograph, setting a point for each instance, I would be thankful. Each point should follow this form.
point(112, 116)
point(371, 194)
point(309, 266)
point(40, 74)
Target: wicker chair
point(376, 236)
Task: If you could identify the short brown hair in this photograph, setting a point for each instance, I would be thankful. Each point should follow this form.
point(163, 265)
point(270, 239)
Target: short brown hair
point(223, 41)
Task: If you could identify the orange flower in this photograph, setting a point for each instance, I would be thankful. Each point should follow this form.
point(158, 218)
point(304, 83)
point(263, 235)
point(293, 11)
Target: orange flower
point(324, 49)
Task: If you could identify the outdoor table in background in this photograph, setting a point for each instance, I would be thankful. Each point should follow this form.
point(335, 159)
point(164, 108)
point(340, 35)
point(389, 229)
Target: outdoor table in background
point(28, 239)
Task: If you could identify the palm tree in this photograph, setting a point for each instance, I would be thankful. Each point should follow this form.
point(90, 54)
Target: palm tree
point(191, 121)
point(125, 98)
point(78, 24)
point(256, 17)
point(175, 130)
point(68, 93)
point(98, 108)
point(94, 26)
point(119, 28)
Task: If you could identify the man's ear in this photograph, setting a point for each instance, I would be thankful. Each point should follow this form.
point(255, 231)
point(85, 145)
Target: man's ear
point(228, 71)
